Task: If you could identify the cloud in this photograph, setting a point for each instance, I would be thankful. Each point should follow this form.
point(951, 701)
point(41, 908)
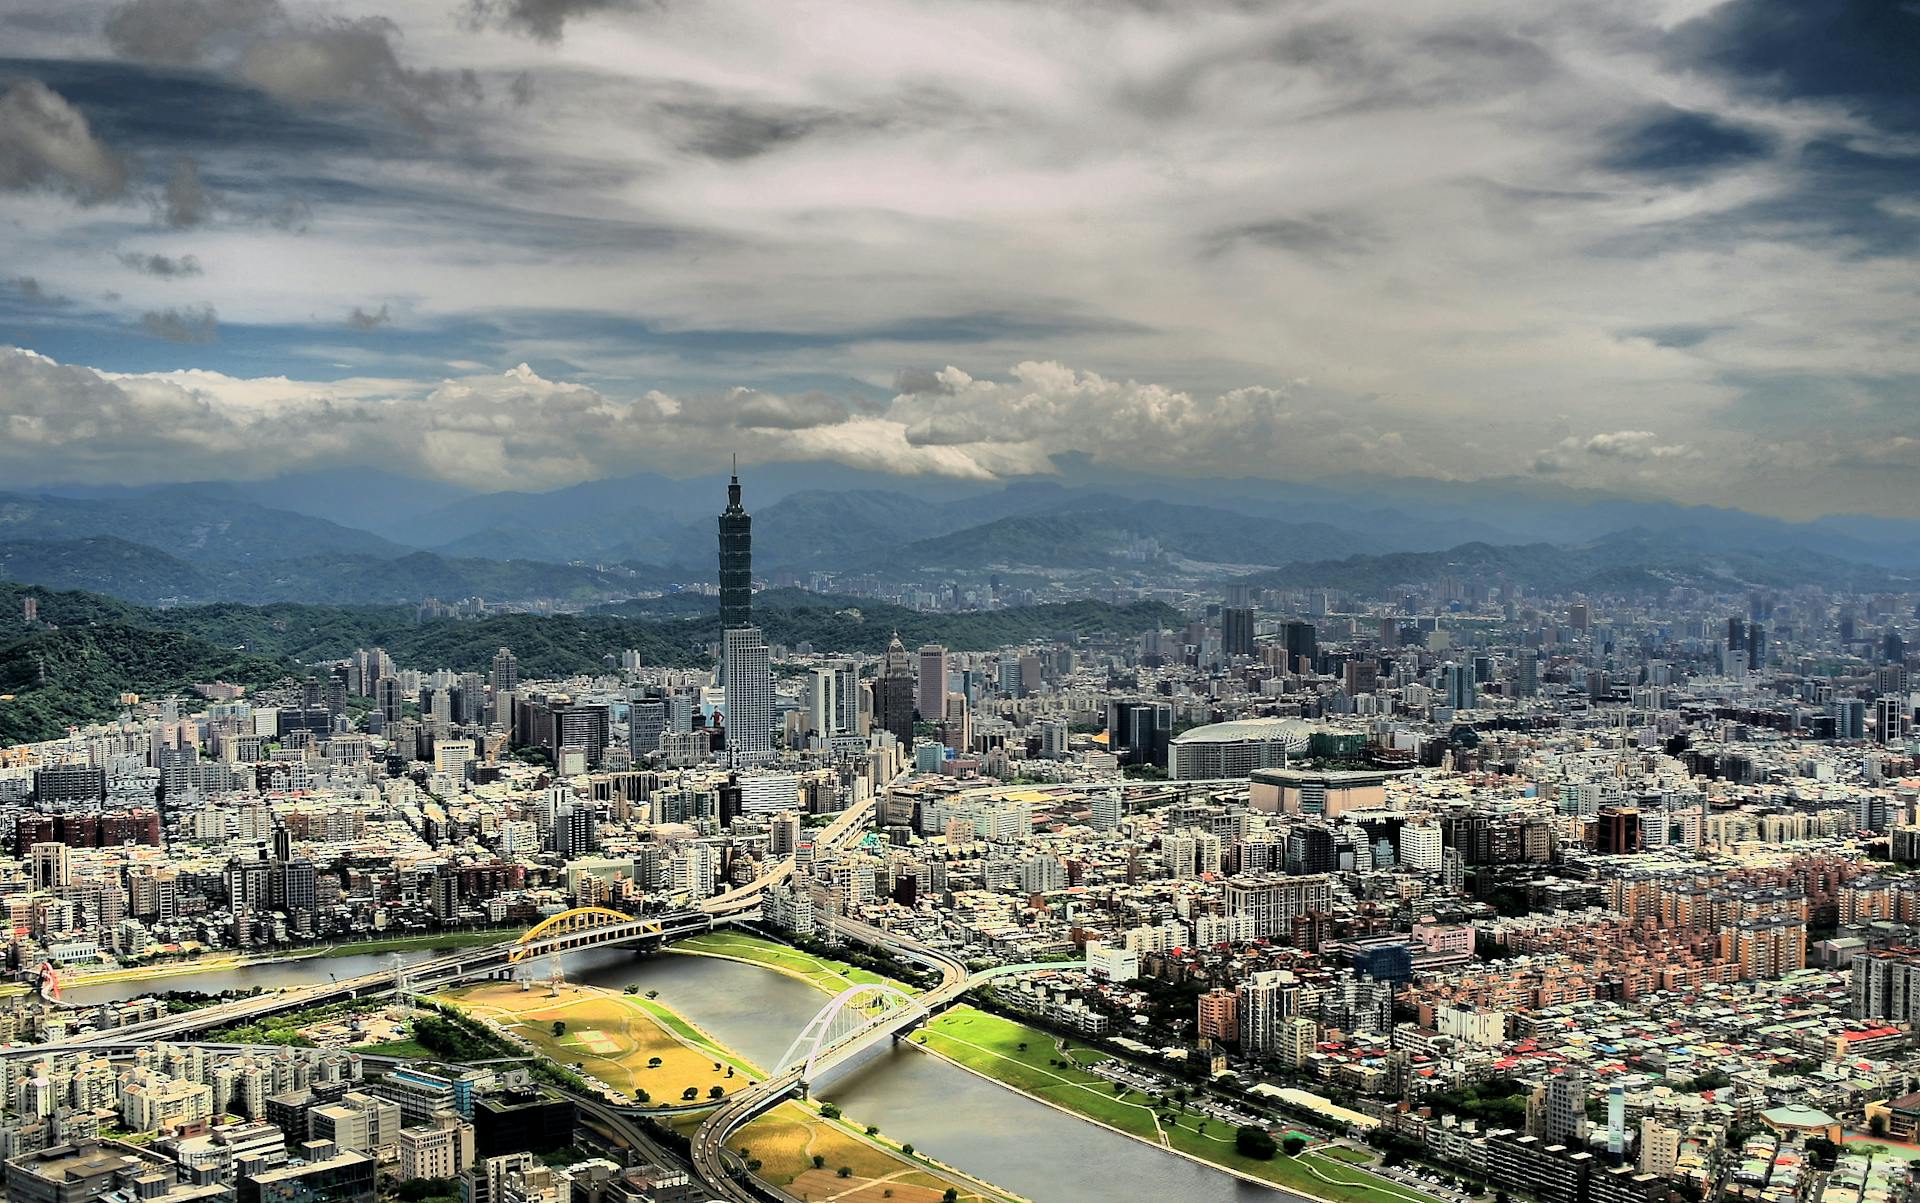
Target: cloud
point(46, 143)
point(184, 201)
point(542, 19)
point(30, 290)
point(163, 266)
point(181, 325)
point(362, 319)
point(294, 57)
point(1487, 236)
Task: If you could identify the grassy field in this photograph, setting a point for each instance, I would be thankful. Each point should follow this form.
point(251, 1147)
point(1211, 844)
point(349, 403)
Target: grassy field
point(1030, 1060)
point(445, 939)
point(823, 973)
point(396, 1048)
point(613, 1037)
point(788, 1138)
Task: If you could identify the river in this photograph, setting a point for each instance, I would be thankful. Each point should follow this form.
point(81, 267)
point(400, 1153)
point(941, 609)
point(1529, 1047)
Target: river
point(950, 1114)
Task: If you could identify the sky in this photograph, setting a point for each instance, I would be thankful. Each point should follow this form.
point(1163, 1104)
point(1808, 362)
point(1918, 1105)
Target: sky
point(1665, 248)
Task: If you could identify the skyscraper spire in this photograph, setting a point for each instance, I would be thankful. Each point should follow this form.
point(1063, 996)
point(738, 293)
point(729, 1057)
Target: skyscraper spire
point(736, 561)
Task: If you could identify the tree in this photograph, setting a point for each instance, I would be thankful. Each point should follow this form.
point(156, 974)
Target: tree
point(653, 994)
point(1822, 1152)
point(1877, 1125)
point(829, 1111)
point(1252, 1140)
point(819, 1161)
point(633, 988)
point(1293, 1144)
point(714, 1092)
point(873, 1129)
point(1023, 1046)
point(641, 1096)
point(690, 1093)
point(845, 1171)
point(559, 1028)
point(907, 1149)
point(653, 1063)
point(951, 1196)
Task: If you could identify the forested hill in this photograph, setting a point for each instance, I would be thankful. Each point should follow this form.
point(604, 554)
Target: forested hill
point(85, 648)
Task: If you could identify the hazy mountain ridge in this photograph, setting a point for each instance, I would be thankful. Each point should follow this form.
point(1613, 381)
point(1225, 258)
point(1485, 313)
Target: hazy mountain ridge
point(144, 574)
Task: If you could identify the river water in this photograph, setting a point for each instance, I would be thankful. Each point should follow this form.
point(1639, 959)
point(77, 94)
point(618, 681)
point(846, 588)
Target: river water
point(948, 1113)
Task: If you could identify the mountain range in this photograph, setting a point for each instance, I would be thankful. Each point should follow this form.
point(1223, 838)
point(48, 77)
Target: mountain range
point(296, 538)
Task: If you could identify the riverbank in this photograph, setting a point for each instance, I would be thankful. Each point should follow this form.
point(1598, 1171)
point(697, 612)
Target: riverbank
point(615, 1037)
point(1033, 1062)
point(822, 973)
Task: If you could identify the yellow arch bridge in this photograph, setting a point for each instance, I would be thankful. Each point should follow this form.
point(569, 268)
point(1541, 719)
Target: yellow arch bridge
point(584, 926)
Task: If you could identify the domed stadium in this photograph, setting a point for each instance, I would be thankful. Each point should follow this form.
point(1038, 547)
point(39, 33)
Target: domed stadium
point(1236, 749)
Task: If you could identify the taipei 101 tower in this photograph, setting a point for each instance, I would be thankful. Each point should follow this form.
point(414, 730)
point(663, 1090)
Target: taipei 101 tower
point(736, 561)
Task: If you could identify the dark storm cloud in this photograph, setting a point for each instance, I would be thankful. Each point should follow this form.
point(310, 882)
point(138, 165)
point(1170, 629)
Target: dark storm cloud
point(47, 144)
point(163, 266)
point(541, 19)
point(182, 325)
point(363, 319)
point(1681, 143)
point(729, 132)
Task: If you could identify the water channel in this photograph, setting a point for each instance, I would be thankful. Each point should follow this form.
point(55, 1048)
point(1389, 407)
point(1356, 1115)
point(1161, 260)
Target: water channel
point(955, 1116)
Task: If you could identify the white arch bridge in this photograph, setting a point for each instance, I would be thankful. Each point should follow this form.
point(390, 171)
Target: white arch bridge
point(846, 1022)
point(853, 1020)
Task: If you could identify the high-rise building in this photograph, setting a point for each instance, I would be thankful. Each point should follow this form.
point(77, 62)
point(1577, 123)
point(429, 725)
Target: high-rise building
point(646, 722)
point(1458, 680)
point(506, 673)
point(893, 692)
point(1527, 680)
point(736, 561)
point(1891, 716)
point(749, 676)
point(930, 693)
point(823, 703)
point(1302, 641)
point(1236, 631)
point(846, 695)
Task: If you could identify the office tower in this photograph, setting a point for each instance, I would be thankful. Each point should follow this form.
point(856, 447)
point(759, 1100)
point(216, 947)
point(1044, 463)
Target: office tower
point(1528, 680)
point(506, 673)
point(1849, 718)
point(1302, 641)
point(846, 695)
point(1891, 717)
point(1236, 631)
point(749, 676)
point(959, 724)
point(1893, 648)
point(823, 703)
point(1139, 732)
point(1756, 646)
point(893, 693)
point(736, 561)
point(1579, 616)
point(646, 723)
point(52, 868)
point(1457, 680)
point(390, 698)
point(930, 695)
